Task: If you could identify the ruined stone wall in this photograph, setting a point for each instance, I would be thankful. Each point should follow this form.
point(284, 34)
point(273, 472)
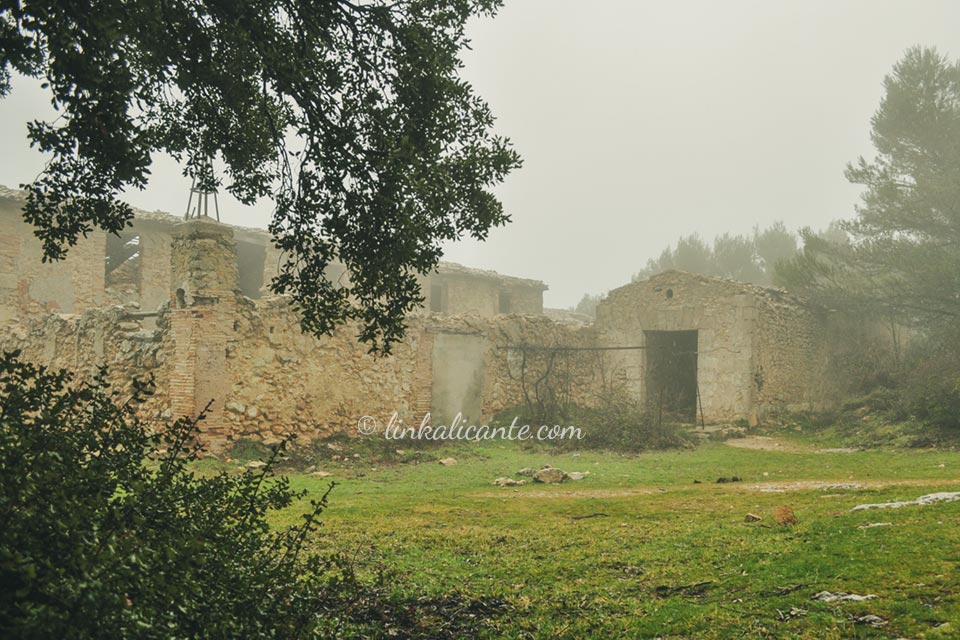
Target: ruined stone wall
point(790, 368)
point(30, 286)
point(284, 381)
point(266, 379)
point(101, 337)
point(526, 300)
point(178, 314)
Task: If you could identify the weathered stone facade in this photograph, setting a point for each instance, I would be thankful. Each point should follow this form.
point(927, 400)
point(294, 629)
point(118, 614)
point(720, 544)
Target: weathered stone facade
point(187, 304)
point(747, 350)
point(29, 286)
point(457, 290)
point(189, 310)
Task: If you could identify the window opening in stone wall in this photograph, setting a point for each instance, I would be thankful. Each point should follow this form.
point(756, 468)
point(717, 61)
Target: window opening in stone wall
point(251, 257)
point(506, 302)
point(122, 266)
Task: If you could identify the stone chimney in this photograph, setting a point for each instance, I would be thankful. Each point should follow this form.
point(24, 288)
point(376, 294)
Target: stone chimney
point(203, 303)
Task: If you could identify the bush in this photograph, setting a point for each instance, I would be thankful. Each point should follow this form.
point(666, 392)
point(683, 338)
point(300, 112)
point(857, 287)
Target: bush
point(616, 422)
point(105, 531)
point(622, 423)
point(931, 390)
point(338, 450)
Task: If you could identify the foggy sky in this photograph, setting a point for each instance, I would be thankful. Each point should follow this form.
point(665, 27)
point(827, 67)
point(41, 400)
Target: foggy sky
point(642, 121)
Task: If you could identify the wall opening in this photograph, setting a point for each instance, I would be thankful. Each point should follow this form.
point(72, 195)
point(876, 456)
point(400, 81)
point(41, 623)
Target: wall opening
point(505, 302)
point(336, 273)
point(250, 261)
point(437, 301)
point(122, 266)
point(671, 374)
point(457, 385)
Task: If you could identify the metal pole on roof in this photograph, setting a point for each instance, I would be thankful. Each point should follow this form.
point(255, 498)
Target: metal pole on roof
point(203, 192)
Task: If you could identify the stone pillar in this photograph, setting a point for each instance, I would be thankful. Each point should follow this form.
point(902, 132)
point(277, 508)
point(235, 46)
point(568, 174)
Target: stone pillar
point(204, 289)
point(86, 262)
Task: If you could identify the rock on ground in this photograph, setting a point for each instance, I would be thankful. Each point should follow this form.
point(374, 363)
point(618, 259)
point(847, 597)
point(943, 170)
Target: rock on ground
point(840, 596)
point(870, 619)
point(549, 475)
point(930, 498)
point(447, 462)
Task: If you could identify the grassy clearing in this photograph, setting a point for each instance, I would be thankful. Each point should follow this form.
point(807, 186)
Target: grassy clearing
point(667, 558)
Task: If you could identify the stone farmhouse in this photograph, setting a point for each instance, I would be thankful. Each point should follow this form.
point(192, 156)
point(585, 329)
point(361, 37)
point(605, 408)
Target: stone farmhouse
point(187, 303)
point(714, 349)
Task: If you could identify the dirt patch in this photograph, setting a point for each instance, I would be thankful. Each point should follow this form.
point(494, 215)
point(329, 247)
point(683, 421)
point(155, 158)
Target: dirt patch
point(579, 493)
point(839, 485)
point(836, 488)
point(766, 443)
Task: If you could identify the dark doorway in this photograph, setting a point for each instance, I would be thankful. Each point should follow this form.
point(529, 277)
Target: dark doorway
point(671, 373)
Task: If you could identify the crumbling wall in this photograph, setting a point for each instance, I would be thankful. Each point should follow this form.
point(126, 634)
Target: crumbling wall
point(525, 300)
point(790, 372)
point(285, 381)
point(30, 286)
point(179, 316)
point(84, 343)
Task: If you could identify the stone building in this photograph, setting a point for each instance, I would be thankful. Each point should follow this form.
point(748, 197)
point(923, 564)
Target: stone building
point(186, 302)
point(454, 289)
point(713, 349)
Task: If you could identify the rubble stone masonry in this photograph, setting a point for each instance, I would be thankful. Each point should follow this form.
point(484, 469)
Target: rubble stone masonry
point(247, 363)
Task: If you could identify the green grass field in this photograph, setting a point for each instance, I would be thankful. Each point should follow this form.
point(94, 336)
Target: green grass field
point(661, 556)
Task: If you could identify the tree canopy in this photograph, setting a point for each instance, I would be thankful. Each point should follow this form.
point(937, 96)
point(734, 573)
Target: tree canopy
point(903, 257)
point(747, 258)
point(350, 116)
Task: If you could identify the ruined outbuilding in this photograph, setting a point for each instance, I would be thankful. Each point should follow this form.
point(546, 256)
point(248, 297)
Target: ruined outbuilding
point(712, 349)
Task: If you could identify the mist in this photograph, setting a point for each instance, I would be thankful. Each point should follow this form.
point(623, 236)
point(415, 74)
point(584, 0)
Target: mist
point(640, 122)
